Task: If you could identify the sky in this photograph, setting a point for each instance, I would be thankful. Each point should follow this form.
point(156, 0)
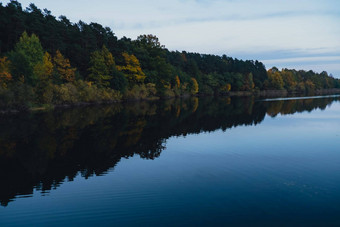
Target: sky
point(303, 34)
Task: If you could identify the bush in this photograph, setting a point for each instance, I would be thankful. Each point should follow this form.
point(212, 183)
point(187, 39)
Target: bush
point(65, 94)
point(24, 96)
point(6, 98)
point(82, 91)
point(167, 93)
point(143, 91)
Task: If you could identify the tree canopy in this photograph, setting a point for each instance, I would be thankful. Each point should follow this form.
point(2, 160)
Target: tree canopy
point(74, 59)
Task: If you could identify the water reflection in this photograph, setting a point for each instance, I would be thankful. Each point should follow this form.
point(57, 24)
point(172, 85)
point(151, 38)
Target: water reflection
point(39, 151)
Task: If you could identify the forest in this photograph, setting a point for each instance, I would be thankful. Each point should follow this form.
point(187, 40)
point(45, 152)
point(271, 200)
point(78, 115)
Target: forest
point(47, 61)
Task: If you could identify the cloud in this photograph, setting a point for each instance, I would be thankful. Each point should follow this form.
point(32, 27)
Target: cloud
point(329, 59)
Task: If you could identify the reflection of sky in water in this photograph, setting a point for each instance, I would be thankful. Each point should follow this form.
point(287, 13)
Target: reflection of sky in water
point(297, 134)
point(287, 166)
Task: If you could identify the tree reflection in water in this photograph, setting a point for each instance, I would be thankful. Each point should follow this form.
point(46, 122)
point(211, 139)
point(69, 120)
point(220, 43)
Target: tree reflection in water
point(40, 150)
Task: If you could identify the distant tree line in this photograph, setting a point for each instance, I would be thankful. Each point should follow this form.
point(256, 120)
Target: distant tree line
point(49, 60)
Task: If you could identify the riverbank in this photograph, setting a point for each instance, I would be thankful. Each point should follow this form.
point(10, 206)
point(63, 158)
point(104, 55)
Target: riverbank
point(262, 94)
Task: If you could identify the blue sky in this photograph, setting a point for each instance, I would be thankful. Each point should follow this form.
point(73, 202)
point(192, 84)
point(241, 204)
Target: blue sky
point(303, 34)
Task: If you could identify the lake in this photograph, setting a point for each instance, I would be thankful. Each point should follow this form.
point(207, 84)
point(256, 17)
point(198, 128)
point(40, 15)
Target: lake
point(195, 161)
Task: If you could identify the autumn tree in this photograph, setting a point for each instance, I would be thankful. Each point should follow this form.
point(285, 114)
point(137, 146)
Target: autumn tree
point(63, 69)
point(194, 87)
point(5, 75)
point(226, 88)
point(248, 83)
point(132, 69)
point(275, 80)
point(44, 71)
point(288, 80)
point(178, 82)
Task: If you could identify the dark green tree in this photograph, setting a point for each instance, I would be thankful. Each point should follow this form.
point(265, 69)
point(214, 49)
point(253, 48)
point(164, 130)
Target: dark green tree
point(27, 53)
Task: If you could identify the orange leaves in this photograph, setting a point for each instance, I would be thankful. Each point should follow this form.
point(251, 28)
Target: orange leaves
point(194, 88)
point(178, 82)
point(226, 88)
point(47, 62)
point(132, 69)
point(44, 69)
point(63, 67)
point(5, 75)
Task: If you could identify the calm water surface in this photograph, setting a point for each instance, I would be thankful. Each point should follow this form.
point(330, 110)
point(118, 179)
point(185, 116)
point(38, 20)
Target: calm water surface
point(239, 161)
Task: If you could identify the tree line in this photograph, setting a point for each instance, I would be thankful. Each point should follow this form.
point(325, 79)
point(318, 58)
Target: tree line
point(49, 60)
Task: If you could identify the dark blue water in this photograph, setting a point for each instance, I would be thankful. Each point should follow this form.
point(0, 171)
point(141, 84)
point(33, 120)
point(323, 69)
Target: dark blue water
point(180, 162)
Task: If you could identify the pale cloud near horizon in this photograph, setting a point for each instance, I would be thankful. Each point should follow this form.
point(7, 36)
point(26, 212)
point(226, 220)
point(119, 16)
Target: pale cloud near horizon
point(295, 32)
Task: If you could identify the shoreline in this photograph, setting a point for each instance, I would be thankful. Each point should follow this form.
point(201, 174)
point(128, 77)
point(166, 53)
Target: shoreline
point(262, 94)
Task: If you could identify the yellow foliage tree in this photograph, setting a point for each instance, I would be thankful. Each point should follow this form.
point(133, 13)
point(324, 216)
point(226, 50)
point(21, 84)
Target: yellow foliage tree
point(132, 69)
point(44, 69)
point(275, 79)
point(5, 75)
point(194, 88)
point(288, 80)
point(248, 83)
point(63, 67)
point(178, 82)
point(226, 88)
